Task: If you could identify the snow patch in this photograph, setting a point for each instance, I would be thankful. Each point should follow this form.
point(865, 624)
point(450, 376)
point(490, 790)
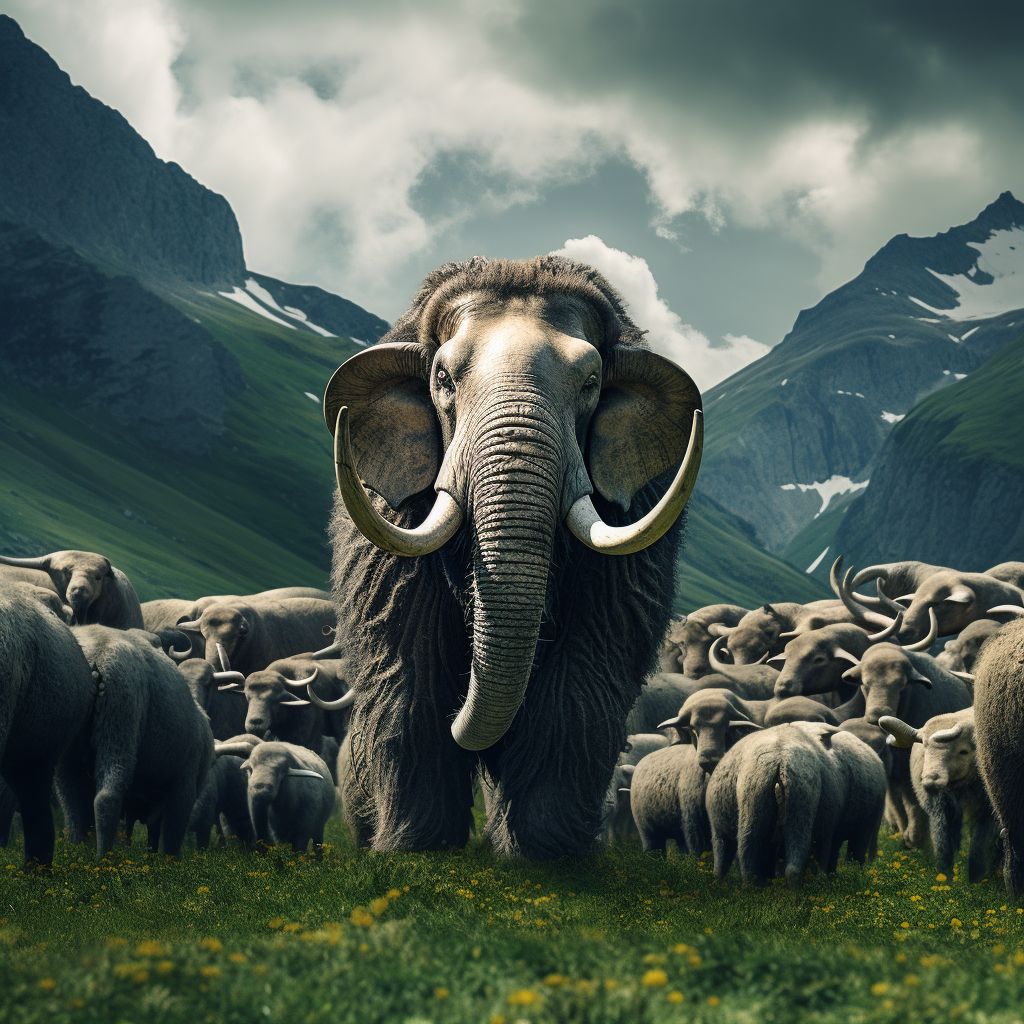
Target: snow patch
point(359, 341)
point(261, 293)
point(946, 373)
point(893, 417)
point(814, 565)
point(243, 298)
point(311, 397)
point(828, 489)
point(1001, 255)
point(893, 336)
point(959, 376)
point(783, 384)
point(858, 394)
point(964, 337)
point(953, 337)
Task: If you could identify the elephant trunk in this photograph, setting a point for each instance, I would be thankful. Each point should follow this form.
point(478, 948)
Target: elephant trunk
point(515, 495)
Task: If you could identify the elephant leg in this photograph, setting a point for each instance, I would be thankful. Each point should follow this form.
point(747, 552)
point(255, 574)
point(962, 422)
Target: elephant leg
point(724, 849)
point(112, 783)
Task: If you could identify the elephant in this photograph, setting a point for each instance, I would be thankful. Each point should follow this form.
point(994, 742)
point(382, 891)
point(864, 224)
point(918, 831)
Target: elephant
point(515, 413)
point(97, 591)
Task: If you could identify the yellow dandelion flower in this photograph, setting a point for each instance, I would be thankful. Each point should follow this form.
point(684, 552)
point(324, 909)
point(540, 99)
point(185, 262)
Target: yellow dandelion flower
point(363, 947)
point(393, 894)
point(260, 968)
point(714, 1001)
point(611, 984)
point(904, 924)
point(210, 972)
point(956, 922)
point(440, 993)
point(911, 980)
point(275, 922)
point(901, 958)
point(47, 984)
point(149, 948)
point(523, 997)
point(362, 917)
point(378, 906)
point(1018, 959)
point(164, 967)
point(237, 958)
point(293, 926)
point(497, 1018)
point(940, 877)
point(213, 945)
point(140, 977)
point(682, 947)
point(654, 958)
point(654, 978)
point(116, 943)
point(555, 980)
point(202, 889)
point(879, 988)
point(694, 960)
point(674, 996)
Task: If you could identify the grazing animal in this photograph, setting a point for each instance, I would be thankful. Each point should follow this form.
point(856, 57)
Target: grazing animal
point(164, 612)
point(290, 793)
point(960, 653)
point(751, 681)
point(764, 630)
point(617, 816)
point(789, 789)
point(515, 412)
point(46, 696)
point(662, 696)
point(875, 737)
point(667, 800)
point(713, 720)
point(97, 591)
point(274, 710)
point(910, 686)
point(223, 804)
point(944, 772)
point(999, 734)
point(685, 649)
point(215, 693)
point(148, 748)
point(1008, 572)
point(252, 635)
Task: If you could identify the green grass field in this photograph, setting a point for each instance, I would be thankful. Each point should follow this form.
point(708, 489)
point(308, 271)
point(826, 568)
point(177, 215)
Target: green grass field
point(226, 936)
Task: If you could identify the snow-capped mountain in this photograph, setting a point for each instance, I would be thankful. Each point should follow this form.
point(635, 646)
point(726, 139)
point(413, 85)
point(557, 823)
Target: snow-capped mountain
point(792, 438)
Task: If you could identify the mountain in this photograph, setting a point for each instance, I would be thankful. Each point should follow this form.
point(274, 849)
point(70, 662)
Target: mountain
point(161, 401)
point(948, 487)
point(793, 434)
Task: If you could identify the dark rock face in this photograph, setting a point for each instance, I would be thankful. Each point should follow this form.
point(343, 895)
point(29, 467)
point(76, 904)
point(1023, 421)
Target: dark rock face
point(78, 174)
point(948, 487)
point(107, 348)
point(812, 409)
point(331, 312)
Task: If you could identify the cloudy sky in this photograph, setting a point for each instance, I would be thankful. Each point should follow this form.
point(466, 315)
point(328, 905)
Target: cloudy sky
point(726, 162)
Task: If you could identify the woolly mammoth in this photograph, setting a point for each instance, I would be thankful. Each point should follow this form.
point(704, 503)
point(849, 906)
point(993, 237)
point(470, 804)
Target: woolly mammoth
point(97, 591)
point(514, 414)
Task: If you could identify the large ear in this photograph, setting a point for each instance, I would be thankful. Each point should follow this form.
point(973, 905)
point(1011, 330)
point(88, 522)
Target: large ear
point(717, 629)
point(395, 433)
point(642, 423)
point(961, 595)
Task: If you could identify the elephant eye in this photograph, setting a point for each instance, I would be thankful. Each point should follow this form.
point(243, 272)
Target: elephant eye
point(444, 380)
point(590, 383)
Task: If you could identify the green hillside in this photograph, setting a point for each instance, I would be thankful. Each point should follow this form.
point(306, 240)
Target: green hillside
point(252, 513)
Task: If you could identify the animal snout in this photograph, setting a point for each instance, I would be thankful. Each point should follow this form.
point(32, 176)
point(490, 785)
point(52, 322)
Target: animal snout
point(708, 763)
point(784, 690)
point(933, 782)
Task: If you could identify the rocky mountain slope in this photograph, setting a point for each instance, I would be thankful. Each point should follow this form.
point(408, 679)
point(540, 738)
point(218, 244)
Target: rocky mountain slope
point(161, 403)
point(948, 487)
point(800, 429)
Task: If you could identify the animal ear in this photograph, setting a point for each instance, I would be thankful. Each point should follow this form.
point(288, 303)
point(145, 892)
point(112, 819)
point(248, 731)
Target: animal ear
point(396, 437)
point(744, 726)
point(642, 422)
point(961, 595)
point(717, 629)
point(916, 677)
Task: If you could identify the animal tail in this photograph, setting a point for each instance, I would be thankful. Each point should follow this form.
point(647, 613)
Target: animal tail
point(781, 803)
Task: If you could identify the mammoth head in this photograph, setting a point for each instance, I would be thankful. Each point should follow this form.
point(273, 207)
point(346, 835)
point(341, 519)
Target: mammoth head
point(515, 391)
point(78, 576)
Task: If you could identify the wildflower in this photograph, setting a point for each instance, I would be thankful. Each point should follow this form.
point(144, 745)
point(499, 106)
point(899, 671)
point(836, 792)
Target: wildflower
point(149, 948)
point(497, 1018)
point(441, 993)
point(378, 906)
point(555, 981)
point(363, 947)
point(362, 917)
point(694, 960)
point(237, 958)
point(210, 972)
point(116, 943)
point(901, 958)
point(940, 877)
point(682, 947)
point(213, 945)
point(654, 958)
point(1018, 958)
point(911, 979)
point(956, 922)
point(879, 988)
point(610, 984)
point(164, 967)
point(393, 894)
point(654, 978)
point(714, 1001)
point(523, 997)
point(202, 889)
point(674, 996)
point(140, 977)
point(46, 984)
point(275, 922)
point(904, 924)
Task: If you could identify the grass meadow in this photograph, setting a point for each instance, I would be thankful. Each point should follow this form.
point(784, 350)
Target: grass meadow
point(227, 936)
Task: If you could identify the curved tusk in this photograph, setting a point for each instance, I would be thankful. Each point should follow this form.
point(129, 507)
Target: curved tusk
point(884, 599)
point(294, 703)
point(225, 664)
point(1005, 609)
point(589, 528)
point(967, 677)
point(713, 657)
point(194, 625)
point(943, 735)
point(299, 683)
point(893, 627)
point(235, 680)
point(42, 562)
point(237, 748)
point(673, 723)
point(933, 632)
point(436, 530)
point(850, 602)
point(305, 773)
point(326, 653)
point(872, 572)
point(179, 656)
point(332, 705)
point(900, 734)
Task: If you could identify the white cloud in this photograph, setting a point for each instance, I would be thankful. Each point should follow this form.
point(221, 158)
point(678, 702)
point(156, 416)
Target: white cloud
point(667, 334)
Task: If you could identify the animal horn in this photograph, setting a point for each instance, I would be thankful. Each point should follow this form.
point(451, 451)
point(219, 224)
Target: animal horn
point(305, 773)
point(967, 677)
point(194, 625)
point(893, 627)
point(900, 734)
point(933, 632)
point(436, 530)
point(225, 664)
point(236, 748)
point(326, 653)
point(590, 529)
point(180, 656)
point(840, 653)
point(872, 572)
point(42, 562)
point(1005, 609)
point(713, 658)
point(670, 722)
point(947, 735)
point(298, 684)
point(332, 705)
point(295, 703)
point(884, 598)
point(850, 601)
point(234, 680)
